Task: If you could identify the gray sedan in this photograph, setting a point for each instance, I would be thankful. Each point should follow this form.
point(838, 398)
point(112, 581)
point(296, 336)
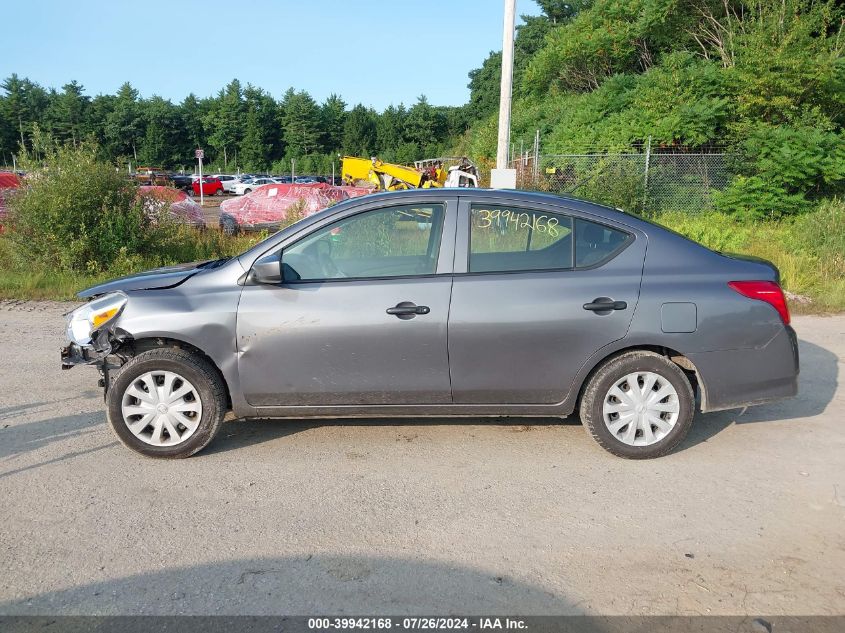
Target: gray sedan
point(442, 302)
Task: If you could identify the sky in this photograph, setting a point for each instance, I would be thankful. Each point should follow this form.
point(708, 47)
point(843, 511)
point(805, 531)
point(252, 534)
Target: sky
point(375, 52)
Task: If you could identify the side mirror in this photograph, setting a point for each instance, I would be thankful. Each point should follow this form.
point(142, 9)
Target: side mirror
point(267, 270)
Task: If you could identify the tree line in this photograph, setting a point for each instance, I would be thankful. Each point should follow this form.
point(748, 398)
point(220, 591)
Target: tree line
point(242, 127)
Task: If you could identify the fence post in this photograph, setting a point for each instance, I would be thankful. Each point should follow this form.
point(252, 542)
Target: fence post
point(536, 156)
point(645, 174)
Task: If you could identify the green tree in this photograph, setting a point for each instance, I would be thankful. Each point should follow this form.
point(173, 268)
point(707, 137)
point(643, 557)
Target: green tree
point(259, 127)
point(193, 113)
point(66, 113)
point(390, 131)
point(300, 123)
point(359, 132)
point(98, 113)
point(22, 104)
point(484, 82)
point(332, 120)
point(424, 126)
point(225, 121)
point(124, 126)
point(163, 142)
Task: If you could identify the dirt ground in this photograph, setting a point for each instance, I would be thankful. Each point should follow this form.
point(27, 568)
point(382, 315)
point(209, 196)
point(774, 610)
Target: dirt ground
point(428, 516)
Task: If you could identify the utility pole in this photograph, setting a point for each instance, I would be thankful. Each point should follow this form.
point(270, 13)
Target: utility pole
point(502, 177)
point(645, 175)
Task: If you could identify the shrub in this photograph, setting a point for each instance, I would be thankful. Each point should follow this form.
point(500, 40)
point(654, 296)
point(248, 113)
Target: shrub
point(756, 198)
point(76, 213)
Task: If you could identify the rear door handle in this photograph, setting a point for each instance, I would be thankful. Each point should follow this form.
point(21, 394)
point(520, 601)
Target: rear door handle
point(407, 310)
point(604, 304)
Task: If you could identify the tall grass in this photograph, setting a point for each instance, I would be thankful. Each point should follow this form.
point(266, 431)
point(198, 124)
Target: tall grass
point(809, 250)
point(24, 277)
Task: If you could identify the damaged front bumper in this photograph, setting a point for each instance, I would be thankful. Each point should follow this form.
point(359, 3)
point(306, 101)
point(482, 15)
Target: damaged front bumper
point(106, 361)
point(73, 355)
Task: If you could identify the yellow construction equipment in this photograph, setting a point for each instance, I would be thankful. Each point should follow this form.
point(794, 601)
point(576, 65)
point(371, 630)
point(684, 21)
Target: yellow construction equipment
point(423, 175)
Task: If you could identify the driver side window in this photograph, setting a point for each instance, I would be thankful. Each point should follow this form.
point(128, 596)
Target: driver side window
point(390, 242)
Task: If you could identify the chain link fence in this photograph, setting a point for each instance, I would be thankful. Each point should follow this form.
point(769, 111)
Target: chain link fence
point(635, 182)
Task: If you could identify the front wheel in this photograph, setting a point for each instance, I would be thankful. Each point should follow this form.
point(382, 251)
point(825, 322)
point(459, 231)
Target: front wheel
point(638, 405)
point(166, 403)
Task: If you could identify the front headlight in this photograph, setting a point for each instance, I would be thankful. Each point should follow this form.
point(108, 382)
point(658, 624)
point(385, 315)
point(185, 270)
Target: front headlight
point(84, 321)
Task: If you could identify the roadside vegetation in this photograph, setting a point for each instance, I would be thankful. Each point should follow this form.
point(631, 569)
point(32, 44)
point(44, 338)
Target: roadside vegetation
point(77, 222)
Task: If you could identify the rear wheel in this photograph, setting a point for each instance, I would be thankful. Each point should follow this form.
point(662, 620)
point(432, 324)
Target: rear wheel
point(638, 405)
point(166, 403)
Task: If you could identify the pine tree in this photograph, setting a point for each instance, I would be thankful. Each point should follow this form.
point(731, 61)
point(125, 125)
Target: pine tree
point(124, 126)
point(359, 132)
point(225, 121)
point(332, 119)
point(259, 123)
point(300, 123)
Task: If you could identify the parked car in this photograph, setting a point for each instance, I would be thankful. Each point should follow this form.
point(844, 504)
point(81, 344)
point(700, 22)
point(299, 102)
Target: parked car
point(228, 181)
point(9, 181)
point(183, 182)
point(267, 207)
point(210, 186)
point(152, 176)
point(306, 180)
point(179, 207)
point(250, 185)
point(439, 302)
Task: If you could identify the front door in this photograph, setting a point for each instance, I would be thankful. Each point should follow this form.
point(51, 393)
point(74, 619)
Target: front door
point(360, 318)
point(540, 291)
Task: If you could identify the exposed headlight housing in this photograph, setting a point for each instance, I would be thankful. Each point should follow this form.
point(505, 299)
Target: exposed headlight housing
point(86, 320)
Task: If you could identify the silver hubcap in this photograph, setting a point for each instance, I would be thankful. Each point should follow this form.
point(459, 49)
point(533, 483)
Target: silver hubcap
point(161, 408)
point(641, 408)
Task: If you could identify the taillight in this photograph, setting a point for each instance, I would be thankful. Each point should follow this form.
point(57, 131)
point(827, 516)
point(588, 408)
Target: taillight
point(767, 291)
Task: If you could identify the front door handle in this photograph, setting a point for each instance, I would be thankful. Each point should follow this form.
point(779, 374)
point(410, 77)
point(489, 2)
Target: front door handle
point(408, 310)
point(604, 304)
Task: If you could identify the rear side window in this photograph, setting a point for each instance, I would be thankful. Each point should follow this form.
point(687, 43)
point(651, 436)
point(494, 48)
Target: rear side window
point(596, 243)
point(506, 239)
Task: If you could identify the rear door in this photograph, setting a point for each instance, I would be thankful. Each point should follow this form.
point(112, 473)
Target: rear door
point(537, 290)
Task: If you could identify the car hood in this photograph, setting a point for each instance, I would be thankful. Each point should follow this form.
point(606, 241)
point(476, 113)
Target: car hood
point(165, 277)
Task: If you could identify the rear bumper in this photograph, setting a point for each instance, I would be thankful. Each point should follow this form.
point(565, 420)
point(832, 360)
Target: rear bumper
point(744, 377)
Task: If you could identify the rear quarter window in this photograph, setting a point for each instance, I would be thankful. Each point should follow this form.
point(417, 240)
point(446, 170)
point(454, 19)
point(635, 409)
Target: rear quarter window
point(597, 243)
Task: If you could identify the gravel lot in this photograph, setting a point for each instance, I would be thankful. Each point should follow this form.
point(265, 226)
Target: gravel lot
point(427, 516)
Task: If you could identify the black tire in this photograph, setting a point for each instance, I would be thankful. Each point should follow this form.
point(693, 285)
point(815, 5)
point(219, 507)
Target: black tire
point(615, 369)
point(219, 192)
point(246, 191)
point(196, 369)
